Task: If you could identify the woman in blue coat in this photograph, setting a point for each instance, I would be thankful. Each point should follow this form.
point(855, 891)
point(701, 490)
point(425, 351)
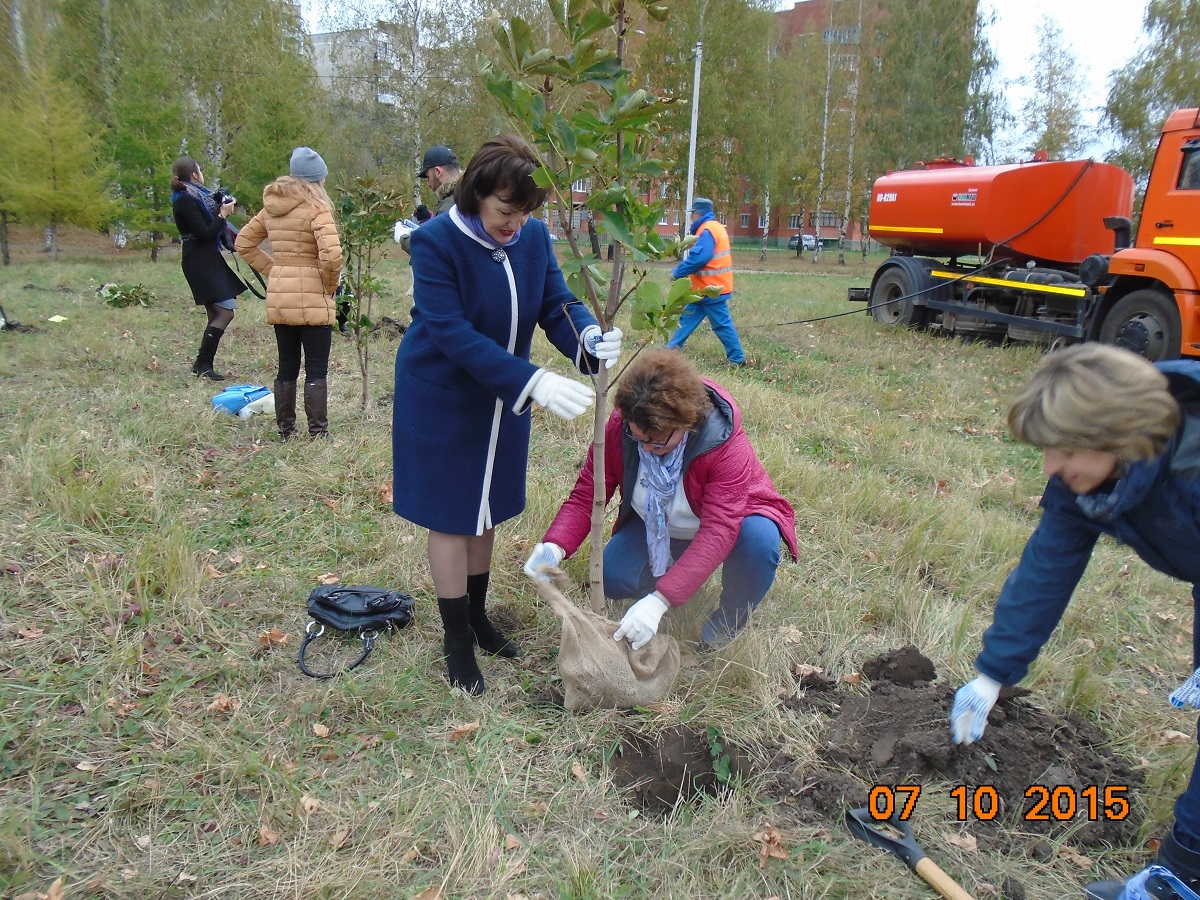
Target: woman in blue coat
point(484, 276)
point(1121, 446)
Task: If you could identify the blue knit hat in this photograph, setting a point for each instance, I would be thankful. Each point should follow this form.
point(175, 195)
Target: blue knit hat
point(308, 165)
point(702, 205)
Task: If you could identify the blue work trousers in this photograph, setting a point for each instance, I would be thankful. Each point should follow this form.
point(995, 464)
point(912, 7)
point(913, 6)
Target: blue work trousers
point(746, 576)
point(716, 310)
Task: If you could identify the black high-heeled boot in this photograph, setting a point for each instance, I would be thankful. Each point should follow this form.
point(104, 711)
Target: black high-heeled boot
point(490, 640)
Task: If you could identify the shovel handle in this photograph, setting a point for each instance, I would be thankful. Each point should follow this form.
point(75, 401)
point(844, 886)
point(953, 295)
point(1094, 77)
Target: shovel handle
point(940, 881)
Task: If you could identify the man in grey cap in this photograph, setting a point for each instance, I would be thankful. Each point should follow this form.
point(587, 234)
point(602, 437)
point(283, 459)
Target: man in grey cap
point(441, 169)
point(709, 265)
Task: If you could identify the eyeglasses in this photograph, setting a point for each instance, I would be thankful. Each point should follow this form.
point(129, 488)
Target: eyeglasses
point(646, 441)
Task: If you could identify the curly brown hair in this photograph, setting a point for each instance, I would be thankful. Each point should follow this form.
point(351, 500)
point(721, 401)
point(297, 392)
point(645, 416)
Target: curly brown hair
point(662, 392)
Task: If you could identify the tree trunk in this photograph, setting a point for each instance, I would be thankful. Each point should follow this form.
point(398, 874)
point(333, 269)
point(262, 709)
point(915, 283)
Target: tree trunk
point(52, 240)
point(850, 147)
point(596, 563)
point(829, 57)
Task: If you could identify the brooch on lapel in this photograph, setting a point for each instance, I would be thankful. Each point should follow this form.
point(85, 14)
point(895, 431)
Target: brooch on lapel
point(498, 255)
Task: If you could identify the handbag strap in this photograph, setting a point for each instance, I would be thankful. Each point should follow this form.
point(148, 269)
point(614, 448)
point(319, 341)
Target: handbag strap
point(257, 274)
point(368, 641)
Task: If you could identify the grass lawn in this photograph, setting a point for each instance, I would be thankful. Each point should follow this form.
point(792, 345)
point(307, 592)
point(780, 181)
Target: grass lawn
point(158, 740)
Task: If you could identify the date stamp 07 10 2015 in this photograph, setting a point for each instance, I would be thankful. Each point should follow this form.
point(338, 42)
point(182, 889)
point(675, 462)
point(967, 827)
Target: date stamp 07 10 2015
point(1050, 803)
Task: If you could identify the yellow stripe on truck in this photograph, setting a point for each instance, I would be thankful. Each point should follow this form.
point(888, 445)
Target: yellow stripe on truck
point(1179, 241)
point(911, 228)
point(1016, 285)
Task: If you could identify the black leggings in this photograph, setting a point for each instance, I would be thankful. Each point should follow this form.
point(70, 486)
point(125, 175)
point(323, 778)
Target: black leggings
point(313, 340)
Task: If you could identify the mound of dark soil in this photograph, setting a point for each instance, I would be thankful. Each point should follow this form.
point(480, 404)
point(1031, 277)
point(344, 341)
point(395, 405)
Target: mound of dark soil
point(899, 733)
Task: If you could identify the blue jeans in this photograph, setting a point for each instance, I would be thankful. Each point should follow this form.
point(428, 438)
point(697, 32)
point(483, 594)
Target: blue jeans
point(716, 309)
point(746, 576)
point(1187, 805)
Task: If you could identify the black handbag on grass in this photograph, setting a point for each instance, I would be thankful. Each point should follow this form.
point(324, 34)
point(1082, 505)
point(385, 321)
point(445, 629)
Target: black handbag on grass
point(369, 610)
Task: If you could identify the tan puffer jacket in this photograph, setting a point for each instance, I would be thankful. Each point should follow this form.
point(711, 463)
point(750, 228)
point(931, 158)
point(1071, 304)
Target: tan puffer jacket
point(306, 255)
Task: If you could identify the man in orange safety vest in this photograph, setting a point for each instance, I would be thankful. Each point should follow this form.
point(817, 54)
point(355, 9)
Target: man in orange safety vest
point(709, 263)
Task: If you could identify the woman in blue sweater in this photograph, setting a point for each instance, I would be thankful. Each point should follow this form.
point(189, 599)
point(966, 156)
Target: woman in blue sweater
point(1121, 446)
point(484, 277)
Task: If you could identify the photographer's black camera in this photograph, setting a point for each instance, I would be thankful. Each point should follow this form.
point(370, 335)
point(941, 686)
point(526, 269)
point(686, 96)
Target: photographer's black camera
point(222, 196)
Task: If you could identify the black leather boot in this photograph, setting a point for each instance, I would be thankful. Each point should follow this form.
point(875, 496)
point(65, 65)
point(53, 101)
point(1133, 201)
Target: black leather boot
point(316, 407)
point(285, 408)
point(489, 639)
point(203, 366)
point(1183, 862)
point(458, 646)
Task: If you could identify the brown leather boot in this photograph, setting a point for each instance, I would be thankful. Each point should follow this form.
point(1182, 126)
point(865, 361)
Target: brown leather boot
point(316, 407)
point(285, 408)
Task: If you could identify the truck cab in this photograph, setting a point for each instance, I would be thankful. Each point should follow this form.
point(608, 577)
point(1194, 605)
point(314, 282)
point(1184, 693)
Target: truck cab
point(1152, 304)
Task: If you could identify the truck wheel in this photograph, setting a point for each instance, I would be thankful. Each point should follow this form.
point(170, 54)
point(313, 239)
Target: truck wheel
point(891, 302)
point(1146, 322)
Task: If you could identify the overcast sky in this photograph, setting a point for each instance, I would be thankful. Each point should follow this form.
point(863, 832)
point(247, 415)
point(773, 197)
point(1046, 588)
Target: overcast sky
point(1103, 35)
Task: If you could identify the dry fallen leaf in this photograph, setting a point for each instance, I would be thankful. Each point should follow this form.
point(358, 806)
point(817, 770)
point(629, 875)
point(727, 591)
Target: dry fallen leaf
point(1070, 854)
point(56, 890)
point(338, 839)
point(267, 837)
point(332, 504)
point(328, 578)
point(1175, 737)
point(30, 632)
point(309, 804)
point(512, 842)
point(852, 678)
point(149, 668)
point(433, 893)
point(578, 772)
point(537, 808)
point(320, 730)
point(86, 766)
point(385, 494)
point(772, 845)
point(964, 841)
point(184, 878)
point(463, 730)
point(235, 559)
point(791, 634)
point(143, 842)
point(410, 856)
point(804, 670)
point(274, 636)
point(224, 703)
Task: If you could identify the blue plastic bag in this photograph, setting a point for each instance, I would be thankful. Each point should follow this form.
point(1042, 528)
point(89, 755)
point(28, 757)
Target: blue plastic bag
point(234, 397)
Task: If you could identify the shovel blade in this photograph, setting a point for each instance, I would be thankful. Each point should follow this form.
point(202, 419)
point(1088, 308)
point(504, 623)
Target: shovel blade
point(892, 835)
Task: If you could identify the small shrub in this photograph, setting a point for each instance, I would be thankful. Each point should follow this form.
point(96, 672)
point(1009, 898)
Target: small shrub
point(126, 294)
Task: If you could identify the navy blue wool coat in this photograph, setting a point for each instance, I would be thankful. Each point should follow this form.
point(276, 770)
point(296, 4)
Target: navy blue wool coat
point(460, 422)
point(1153, 508)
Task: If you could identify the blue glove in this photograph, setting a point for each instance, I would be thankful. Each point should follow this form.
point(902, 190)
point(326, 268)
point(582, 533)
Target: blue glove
point(641, 622)
point(1188, 693)
point(547, 554)
point(972, 703)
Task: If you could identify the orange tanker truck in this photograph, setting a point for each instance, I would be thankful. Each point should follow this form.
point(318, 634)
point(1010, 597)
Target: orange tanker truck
point(1042, 251)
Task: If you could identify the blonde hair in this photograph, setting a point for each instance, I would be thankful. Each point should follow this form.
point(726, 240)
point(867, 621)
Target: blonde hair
point(1096, 397)
point(290, 186)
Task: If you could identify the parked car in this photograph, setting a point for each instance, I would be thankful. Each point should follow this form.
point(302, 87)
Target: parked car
point(810, 241)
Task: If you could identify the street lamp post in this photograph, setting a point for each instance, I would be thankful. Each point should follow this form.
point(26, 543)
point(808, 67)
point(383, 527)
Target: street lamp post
point(692, 137)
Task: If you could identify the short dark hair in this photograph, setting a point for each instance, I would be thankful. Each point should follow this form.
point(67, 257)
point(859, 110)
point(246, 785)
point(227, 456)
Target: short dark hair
point(662, 391)
point(502, 167)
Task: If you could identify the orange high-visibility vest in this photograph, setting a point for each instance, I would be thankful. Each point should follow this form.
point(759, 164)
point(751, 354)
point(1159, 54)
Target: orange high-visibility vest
point(718, 270)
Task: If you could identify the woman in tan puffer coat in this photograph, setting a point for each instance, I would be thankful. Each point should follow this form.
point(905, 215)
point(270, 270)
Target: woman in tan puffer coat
point(302, 276)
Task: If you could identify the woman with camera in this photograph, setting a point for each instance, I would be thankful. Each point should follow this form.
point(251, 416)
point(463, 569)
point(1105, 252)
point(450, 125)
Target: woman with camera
point(302, 281)
point(201, 220)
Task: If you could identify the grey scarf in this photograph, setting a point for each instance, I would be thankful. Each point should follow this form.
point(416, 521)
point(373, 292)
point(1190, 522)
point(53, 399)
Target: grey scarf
point(660, 477)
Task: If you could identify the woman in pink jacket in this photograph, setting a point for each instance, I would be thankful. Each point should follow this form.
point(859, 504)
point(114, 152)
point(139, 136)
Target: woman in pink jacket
point(694, 498)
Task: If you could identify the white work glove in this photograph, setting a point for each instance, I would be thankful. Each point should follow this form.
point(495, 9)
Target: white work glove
point(606, 346)
point(562, 396)
point(1188, 693)
point(547, 554)
point(972, 703)
point(641, 622)
point(401, 230)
